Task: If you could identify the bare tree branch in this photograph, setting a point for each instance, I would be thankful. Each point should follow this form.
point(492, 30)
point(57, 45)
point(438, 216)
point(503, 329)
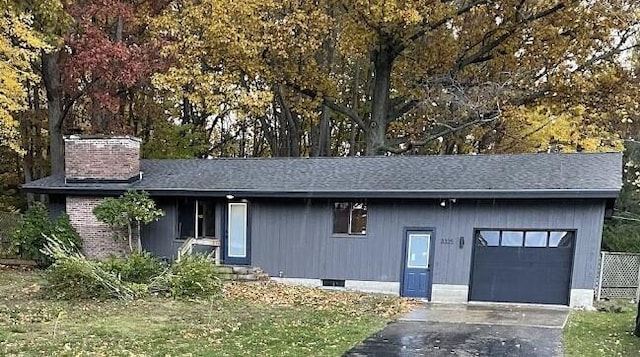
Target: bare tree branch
point(401, 109)
point(350, 113)
point(426, 27)
point(483, 55)
point(480, 120)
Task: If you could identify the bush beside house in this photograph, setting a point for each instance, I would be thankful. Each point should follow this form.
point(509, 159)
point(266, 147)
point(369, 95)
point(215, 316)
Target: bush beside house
point(73, 276)
point(128, 212)
point(29, 237)
point(70, 275)
point(138, 267)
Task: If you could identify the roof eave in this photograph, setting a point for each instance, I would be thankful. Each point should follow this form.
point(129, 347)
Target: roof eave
point(405, 194)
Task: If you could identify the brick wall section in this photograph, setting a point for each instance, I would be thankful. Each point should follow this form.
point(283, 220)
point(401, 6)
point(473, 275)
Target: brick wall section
point(110, 158)
point(97, 237)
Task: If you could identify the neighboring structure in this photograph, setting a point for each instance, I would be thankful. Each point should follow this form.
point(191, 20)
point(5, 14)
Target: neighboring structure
point(508, 228)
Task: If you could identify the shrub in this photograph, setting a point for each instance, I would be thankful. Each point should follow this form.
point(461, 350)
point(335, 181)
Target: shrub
point(621, 236)
point(137, 268)
point(194, 276)
point(73, 276)
point(139, 290)
point(129, 211)
point(29, 236)
point(73, 279)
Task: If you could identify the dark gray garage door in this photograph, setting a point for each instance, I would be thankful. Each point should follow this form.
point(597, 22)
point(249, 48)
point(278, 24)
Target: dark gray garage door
point(522, 266)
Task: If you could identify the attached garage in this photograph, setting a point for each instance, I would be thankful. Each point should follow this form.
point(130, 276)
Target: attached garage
point(522, 266)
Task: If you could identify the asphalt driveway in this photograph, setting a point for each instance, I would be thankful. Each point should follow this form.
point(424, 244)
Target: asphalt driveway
point(470, 330)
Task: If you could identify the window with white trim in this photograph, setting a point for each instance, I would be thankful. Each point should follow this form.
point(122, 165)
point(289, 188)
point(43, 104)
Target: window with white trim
point(350, 218)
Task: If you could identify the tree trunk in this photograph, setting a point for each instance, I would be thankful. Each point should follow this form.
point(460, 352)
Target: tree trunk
point(353, 135)
point(324, 133)
point(320, 138)
point(636, 331)
point(130, 231)
point(289, 126)
point(376, 135)
point(269, 133)
point(51, 77)
point(243, 141)
point(119, 29)
point(139, 237)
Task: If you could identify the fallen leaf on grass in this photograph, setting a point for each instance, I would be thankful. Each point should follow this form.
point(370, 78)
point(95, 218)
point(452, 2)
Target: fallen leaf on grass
point(347, 302)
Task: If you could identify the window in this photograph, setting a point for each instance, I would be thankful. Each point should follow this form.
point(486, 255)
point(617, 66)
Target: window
point(237, 226)
point(350, 218)
point(206, 219)
point(536, 239)
point(560, 239)
point(489, 238)
point(195, 214)
point(186, 218)
point(512, 238)
point(418, 251)
point(525, 238)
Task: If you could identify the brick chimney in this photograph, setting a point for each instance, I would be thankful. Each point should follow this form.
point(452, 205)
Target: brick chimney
point(101, 159)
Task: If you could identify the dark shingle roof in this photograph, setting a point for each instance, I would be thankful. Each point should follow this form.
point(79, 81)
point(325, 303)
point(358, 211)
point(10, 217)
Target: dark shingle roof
point(482, 176)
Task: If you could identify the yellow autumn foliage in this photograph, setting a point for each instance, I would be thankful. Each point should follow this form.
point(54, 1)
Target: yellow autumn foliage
point(539, 129)
point(20, 45)
point(449, 61)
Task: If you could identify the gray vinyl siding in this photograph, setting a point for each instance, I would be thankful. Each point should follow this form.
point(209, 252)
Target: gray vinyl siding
point(159, 237)
point(294, 236)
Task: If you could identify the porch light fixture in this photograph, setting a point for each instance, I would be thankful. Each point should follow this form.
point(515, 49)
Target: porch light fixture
point(230, 196)
point(451, 201)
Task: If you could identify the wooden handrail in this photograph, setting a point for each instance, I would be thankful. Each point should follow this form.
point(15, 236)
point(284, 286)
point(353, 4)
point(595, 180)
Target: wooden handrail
point(187, 247)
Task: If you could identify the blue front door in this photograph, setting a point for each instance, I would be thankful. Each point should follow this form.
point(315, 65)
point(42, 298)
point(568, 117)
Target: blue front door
point(416, 279)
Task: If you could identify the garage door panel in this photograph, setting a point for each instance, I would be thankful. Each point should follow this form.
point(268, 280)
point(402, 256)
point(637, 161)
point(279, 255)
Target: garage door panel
point(521, 274)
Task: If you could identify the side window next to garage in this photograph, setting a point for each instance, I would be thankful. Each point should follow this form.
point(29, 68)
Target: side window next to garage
point(524, 238)
point(350, 218)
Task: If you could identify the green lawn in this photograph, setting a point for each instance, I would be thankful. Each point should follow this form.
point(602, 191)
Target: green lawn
point(250, 320)
point(601, 334)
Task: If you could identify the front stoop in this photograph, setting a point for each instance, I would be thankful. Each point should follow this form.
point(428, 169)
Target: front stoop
point(241, 273)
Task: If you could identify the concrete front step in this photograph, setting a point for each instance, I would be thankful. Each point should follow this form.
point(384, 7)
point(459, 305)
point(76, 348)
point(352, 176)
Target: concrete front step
point(241, 273)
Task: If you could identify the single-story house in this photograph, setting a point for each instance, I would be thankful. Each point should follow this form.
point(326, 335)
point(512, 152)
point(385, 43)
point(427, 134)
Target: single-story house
point(521, 228)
